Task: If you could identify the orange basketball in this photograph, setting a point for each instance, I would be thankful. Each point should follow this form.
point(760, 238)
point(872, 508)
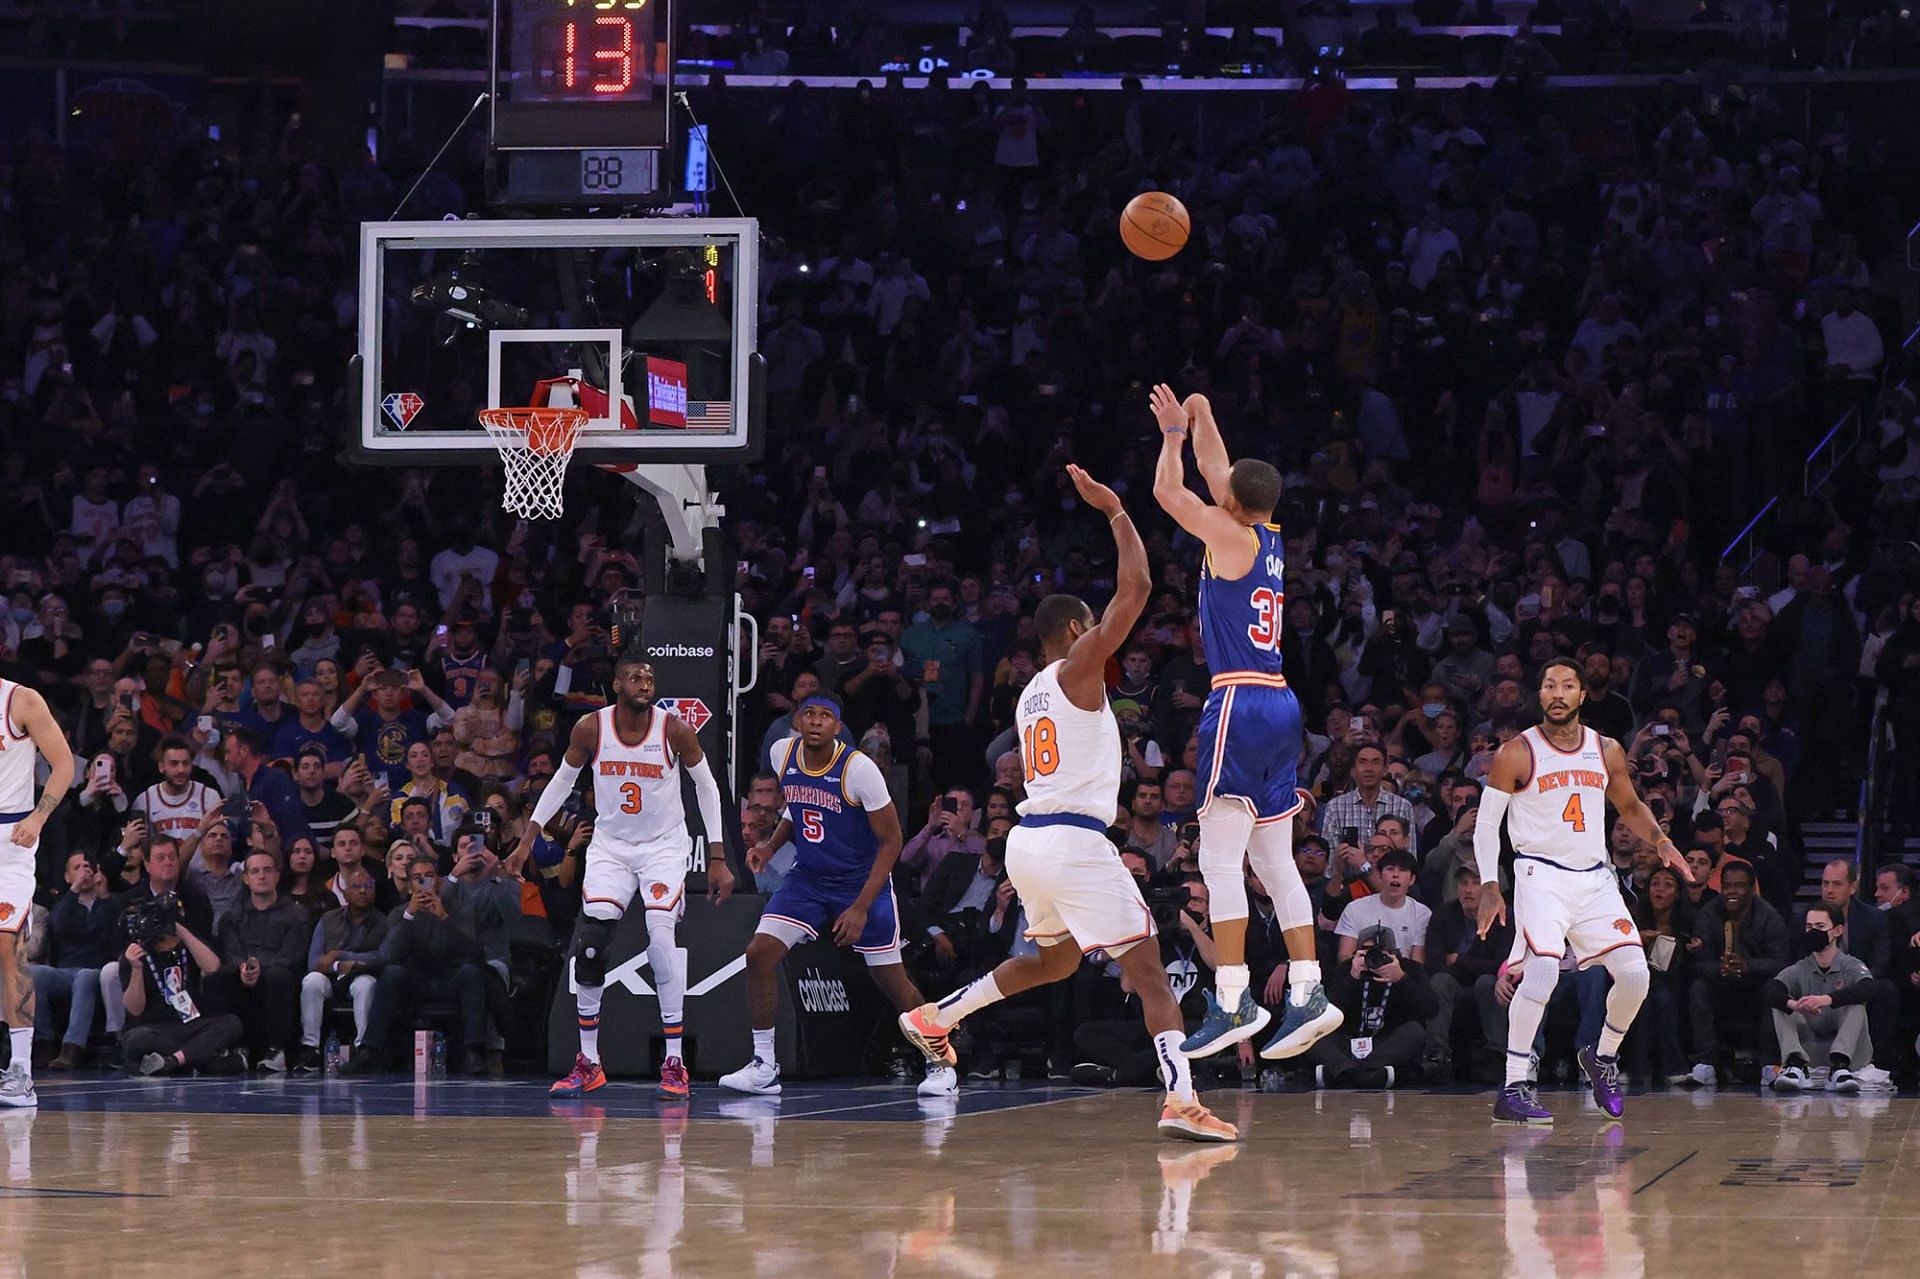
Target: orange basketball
point(1154, 226)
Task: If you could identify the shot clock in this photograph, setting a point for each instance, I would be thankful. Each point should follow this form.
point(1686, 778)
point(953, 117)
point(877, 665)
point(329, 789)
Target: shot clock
point(582, 100)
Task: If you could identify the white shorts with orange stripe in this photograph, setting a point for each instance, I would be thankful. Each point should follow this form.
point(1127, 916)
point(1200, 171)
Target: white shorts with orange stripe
point(1072, 884)
point(16, 883)
point(1557, 909)
point(617, 873)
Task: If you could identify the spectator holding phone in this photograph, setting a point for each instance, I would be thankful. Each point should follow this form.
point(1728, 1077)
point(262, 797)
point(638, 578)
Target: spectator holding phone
point(949, 830)
point(383, 732)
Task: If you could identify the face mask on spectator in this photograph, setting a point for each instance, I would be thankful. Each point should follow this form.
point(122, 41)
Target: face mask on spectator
point(1816, 939)
point(113, 610)
point(1432, 709)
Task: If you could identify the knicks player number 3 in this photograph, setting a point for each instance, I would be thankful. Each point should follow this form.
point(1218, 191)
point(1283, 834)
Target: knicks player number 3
point(1041, 749)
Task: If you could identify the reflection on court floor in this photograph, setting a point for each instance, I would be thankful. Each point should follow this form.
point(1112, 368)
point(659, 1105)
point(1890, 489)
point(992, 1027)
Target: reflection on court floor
point(289, 1177)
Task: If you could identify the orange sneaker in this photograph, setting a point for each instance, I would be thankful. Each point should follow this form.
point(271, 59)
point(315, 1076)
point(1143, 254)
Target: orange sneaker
point(923, 1033)
point(1191, 1121)
point(674, 1085)
point(581, 1080)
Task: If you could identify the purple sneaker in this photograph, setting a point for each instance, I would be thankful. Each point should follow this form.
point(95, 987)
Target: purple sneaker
point(1604, 1074)
point(1519, 1104)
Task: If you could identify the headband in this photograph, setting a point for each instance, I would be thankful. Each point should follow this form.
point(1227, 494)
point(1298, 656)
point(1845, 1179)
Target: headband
point(823, 702)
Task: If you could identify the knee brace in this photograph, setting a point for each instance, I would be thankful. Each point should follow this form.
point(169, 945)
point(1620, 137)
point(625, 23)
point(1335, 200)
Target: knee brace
point(1271, 852)
point(1223, 855)
point(590, 939)
point(1628, 966)
point(1539, 974)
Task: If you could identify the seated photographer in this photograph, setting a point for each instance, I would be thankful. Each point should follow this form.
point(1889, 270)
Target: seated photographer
point(162, 971)
point(1819, 1007)
point(1464, 962)
point(1388, 1001)
point(262, 944)
point(1390, 907)
point(164, 860)
point(81, 935)
point(338, 958)
point(431, 951)
point(1112, 1045)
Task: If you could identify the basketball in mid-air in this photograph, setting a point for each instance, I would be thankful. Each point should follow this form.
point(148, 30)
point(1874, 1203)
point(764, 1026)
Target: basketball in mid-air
point(1154, 226)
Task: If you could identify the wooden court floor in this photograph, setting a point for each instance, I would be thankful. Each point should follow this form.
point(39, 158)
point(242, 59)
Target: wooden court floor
point(286, 1177)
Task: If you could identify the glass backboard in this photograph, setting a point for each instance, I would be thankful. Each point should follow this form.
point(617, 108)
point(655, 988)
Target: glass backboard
point(648, 324)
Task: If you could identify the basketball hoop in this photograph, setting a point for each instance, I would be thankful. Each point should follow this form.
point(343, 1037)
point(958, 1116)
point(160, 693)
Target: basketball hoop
point(535, 446)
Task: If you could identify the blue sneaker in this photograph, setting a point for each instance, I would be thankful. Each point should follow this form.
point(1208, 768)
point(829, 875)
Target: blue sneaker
point(1519, 1104)
point(1302, 1025)
point(1222, 1029)
point(1604, 1074)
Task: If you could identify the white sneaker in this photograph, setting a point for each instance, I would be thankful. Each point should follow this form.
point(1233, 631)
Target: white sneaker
point(152, 1064)
point(1843, 1080)
point(16, 1089)
point(1702, 1075)
point(942, 1081)
point(1790, 1079)
point(757, 1077)
point(1390, 1076)
point(275, 1062)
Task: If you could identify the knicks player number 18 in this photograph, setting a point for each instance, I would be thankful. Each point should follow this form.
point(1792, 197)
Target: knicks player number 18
point(1041, 749)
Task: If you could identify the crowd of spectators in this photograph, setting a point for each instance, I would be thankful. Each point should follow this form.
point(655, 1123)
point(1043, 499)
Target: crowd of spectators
point(1527, 360)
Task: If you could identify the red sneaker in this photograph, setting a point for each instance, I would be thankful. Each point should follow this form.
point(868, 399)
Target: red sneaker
point(920, 1031)
point(674, 1084)
point(581, 1080)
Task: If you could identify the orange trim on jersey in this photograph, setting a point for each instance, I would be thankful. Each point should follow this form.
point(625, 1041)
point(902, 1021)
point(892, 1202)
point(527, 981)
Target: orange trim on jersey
point(1544, 954)
point(1533, 763)
point(606, 901)
point(6, 716)
point(14, 931)
point(613, 722)
point(1239, 679)
point(1578, 750)
point(1125, 941)
point(1033, 936)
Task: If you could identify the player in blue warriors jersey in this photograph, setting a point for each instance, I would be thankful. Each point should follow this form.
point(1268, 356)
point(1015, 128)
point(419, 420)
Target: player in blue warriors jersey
point(1250, 732)
point(846, 836)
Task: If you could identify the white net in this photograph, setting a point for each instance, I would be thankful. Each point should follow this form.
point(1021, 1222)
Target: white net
point(535, 446)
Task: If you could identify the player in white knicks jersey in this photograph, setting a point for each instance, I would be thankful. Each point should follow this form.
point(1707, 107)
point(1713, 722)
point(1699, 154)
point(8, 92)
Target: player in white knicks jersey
point(1076, 894)
point(635, 752)
point(1551, 785)
point(27, 731)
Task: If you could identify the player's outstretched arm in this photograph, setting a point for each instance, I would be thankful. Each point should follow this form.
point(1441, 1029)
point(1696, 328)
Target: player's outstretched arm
point(1209, 448)
point(29, 711)
point(1083, 674)
point(1228, 541)
point(1512, 770)
point(1634, 811)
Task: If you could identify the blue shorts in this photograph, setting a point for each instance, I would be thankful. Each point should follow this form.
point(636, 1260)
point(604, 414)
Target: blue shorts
point(1250, 739)
point(803, 908)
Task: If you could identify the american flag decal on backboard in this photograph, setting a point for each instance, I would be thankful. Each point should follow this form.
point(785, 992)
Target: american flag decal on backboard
point(709, 415)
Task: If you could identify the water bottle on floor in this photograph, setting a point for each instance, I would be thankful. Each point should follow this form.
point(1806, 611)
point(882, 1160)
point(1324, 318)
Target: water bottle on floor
point(330, 1062)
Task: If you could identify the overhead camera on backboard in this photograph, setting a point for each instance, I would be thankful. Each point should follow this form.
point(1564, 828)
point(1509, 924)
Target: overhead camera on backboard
point(457, 294)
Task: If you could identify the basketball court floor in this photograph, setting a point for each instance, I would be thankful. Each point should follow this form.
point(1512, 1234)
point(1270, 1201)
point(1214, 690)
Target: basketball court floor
point(293, 1177)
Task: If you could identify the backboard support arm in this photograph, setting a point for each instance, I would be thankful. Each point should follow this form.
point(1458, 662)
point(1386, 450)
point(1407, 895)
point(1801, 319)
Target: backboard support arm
point(688, 506)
